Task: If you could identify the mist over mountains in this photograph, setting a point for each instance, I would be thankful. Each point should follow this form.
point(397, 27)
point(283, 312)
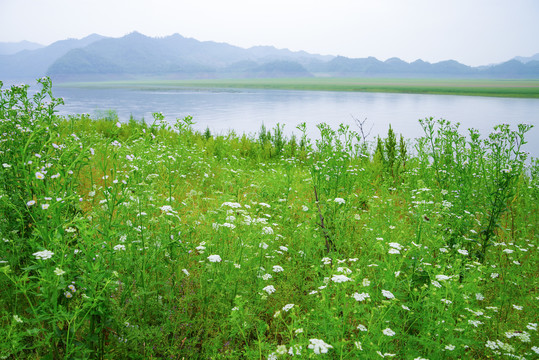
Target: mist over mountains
point(96, 57)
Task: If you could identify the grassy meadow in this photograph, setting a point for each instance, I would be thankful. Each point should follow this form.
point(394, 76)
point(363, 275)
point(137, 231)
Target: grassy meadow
point(155, 241)
point(469, 87)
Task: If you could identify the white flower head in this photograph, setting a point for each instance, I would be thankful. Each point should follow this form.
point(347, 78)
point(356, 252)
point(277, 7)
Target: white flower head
point(388, 332)
point(281, 349)
point(339, 201)
point(387, 294)
point(287, 307)
point(232, 205)
point(214, 258)
point(267, 230)
point(59, 271)
point(442, 277)
point(270, 289)
point(319, 346)
point(277, 268)
point(340, 278)
point(362, 327)
point(167, 208)
point(40, 176)
point(361, 297)
point(43, 255)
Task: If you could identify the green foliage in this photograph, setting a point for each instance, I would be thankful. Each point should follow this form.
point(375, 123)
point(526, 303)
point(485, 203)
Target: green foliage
point(157, 241)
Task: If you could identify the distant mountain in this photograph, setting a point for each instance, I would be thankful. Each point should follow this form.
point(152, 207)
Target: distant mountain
point(524, 59)
point(35, 63)
point(135, 55)
point(177, 56)
point(10, 48)
point(395, 67)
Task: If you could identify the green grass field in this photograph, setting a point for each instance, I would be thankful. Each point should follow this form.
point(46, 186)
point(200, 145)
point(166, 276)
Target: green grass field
point(156, 241)
point(499, 88)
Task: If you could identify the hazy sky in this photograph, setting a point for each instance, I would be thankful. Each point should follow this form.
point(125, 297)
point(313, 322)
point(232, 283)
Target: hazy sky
point(474, 32)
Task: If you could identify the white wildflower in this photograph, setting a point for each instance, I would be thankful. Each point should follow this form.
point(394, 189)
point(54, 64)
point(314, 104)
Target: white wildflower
point(214, 258)
point(43, 255)
point(442, 277)
point(281, 349)
point(340, 278)
point(267, 230)
point(361, 327)
point(361, 296)
point(232, 205)
point(287, 307)
point(319, 346)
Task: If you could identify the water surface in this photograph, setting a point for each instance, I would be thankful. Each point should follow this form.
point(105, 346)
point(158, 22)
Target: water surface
point(245, 110)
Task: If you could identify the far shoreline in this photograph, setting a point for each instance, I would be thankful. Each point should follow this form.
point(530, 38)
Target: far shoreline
point(512, 88)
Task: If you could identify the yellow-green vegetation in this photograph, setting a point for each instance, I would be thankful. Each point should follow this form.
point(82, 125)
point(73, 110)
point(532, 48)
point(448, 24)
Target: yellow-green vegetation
point(140, 241)
point(477, 87)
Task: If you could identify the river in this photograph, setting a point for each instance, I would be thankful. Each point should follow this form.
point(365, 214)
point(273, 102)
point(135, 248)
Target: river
point(245, 110)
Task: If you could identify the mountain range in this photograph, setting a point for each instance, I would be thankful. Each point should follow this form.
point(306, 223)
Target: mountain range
point(96, 57)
